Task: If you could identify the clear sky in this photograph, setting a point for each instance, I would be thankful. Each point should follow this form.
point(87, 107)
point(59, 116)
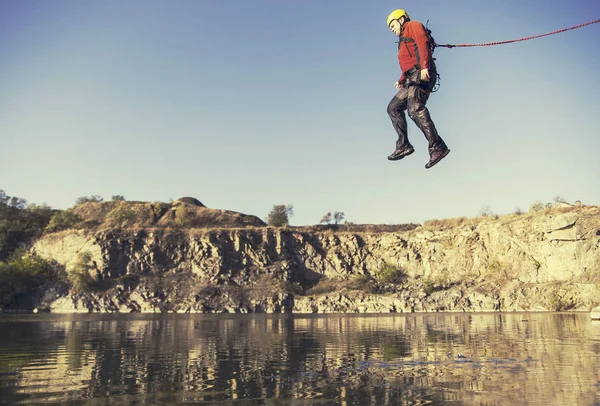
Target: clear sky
point(246, 104)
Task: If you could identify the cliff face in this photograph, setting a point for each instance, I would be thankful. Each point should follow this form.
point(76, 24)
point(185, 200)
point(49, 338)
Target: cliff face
point(548, 260)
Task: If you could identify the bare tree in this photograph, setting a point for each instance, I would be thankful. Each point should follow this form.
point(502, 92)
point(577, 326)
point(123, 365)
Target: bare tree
point(326, 219)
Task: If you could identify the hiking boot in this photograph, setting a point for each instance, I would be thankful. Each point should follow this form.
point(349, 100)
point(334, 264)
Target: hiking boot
point(401, 153)
point(436, 157)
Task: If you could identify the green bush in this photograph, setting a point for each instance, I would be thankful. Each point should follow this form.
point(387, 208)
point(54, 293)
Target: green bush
point(158, 209)
point(183, 216)
point(88, 199)
point(365, 283)
point(389, 274)
point(78, 274)
point(20, 223)
point(63, 220)
point(23, 275)
point(121, 215)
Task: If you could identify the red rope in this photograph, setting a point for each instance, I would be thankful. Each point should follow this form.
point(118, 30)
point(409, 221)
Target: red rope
point(517, 40)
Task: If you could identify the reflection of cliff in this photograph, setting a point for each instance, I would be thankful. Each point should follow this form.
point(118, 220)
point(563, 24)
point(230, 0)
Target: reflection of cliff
point(352, 359)
point(541, 261)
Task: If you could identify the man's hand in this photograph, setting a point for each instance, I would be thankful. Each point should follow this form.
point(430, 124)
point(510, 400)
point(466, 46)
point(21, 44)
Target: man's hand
point(425, 74)
point(398, 85)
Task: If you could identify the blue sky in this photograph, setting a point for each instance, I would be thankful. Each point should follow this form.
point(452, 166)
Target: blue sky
point(246, 104)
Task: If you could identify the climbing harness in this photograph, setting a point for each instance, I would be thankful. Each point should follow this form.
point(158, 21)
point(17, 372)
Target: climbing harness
point(434, 45)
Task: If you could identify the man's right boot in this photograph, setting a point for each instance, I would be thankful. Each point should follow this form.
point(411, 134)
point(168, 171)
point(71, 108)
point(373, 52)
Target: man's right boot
point(437, 156)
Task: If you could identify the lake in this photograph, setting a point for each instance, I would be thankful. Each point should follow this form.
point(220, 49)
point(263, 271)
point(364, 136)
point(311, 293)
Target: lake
point(258, 359)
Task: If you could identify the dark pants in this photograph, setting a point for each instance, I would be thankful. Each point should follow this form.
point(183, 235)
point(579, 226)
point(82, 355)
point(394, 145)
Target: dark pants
point(412, 97)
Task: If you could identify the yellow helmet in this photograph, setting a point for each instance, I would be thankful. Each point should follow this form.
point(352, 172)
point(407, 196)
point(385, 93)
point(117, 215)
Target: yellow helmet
point(396, 15)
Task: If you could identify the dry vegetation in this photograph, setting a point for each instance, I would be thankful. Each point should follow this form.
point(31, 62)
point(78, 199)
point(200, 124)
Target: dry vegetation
point(135, 215)
point(444, 224)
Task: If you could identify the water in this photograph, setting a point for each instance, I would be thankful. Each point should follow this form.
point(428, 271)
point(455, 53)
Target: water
point(438, 359)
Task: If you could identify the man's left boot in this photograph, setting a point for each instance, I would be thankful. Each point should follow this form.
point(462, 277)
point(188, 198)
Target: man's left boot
point(400, 153)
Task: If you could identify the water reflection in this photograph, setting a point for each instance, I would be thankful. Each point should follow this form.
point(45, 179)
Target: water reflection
point(259, 359)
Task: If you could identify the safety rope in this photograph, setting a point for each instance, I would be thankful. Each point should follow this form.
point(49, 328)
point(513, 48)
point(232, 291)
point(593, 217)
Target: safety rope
point(516, 40)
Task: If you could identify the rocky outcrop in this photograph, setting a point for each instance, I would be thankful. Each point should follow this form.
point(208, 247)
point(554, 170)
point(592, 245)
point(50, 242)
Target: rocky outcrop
point(541, 261)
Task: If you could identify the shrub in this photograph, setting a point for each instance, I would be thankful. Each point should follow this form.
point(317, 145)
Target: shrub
point(183, 216)
point(389, 274)
point(486, 212)
point(558, 303)
point(118, 198)
point(440, 282)
point(62, 220)
point(326, 285)
point(79, 276)
point(363, 282)
point(536, 206)
point(23, 275)
point(121, 215)
point(158, 209)
point(88, 199)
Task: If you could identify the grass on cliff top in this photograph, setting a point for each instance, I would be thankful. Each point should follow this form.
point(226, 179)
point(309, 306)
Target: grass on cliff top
point(132, 215)
point(444, 224)
point(137, 215)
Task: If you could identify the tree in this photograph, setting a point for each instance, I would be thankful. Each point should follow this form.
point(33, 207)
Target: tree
point(4, 198)
point(118, 198)
point(280, 214)
point(326, 219)
point(13, 201)
point(338, 217)
point(17, 202)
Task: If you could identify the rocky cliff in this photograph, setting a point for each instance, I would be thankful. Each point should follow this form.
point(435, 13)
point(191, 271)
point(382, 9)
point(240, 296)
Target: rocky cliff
point(546, 260)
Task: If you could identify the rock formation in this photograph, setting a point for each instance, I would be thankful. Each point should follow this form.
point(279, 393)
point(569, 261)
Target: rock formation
point(207, 260)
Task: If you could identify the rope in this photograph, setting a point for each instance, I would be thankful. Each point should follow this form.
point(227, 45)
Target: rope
point(517, 40)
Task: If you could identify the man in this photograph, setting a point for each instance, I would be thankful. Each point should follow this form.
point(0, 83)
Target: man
point(418, 78)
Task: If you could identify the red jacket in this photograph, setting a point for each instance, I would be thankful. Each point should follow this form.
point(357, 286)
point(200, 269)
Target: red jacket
point(413, 48)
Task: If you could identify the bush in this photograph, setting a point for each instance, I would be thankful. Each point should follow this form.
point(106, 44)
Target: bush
point(364, 282)
point(88, 199)
point(389, 274)
point(79, 276)
point(558, 303)
point(118, 198)
point(121, 215)
point(326, 285)
point(486, 212)
point(20, 223)
point(183, 216)
point(24, 275)
point(158, 209)
point(62, 220)
point(536, 206)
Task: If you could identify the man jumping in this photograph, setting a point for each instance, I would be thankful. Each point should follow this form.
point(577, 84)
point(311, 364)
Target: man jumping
point(418, 78)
